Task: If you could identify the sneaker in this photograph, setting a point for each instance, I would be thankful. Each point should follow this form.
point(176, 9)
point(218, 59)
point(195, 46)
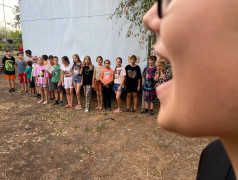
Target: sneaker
point(151, 112)
point(79, 107)
point(13, 90)
point(86, 110)
point(38, 96)
point(10, 90)
point(52, 99)
point(61, 103)
point(56, 102)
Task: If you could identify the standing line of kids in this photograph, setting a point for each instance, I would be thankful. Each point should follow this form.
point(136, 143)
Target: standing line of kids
point(47, 80)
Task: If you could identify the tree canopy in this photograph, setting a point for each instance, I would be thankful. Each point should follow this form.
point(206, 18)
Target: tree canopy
point(133, 11)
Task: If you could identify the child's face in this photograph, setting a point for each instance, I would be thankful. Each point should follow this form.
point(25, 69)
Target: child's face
point(63, 61)
point(55, 61)
point(35, 61)
point(151, 62)
point(99, 61)
point(133, 61)
point(87, 61)
point(27, 55)
point(20, 57)
point(40, 61)
point(159, 66)
point(51, 60)
point(201, 100)
point(118, 62)
point(75, 59)
point(107, 64)
point(9, 53)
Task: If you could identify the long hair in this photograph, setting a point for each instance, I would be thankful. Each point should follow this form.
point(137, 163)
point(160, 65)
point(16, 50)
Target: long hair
point(90, 62)
point(116, 66)
point(66, 59)
point(77, 56)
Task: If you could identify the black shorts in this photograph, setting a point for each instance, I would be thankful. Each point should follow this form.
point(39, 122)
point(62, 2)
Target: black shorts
point(31, 83)
point(131, 90)
point(56, 87)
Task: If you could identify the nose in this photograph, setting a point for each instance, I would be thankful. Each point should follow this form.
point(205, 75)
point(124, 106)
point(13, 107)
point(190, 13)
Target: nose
point(152, 20)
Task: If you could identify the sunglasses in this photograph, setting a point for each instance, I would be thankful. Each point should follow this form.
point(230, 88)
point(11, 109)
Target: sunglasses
point(162, 6)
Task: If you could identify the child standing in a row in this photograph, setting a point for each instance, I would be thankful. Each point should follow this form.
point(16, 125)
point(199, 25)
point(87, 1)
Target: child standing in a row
point(107, 79)
point(77, 78)
point(30, 82)
point(87, 73)
point(41, 77)
point(21, 67)
point(118, 86)
point(97, 85)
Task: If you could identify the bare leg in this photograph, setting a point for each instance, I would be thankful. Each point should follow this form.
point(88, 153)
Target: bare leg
point(41, 93)
point(46, 94)
point(13, 83)
point(68, 95)
point(135, 100)
point(22, 86)
point(118, 97)
point(56, 95)
point(61, 95)
point(128, 100)
point(9, 84)
point(151, 106)
point(71, 95)
point(100, 98)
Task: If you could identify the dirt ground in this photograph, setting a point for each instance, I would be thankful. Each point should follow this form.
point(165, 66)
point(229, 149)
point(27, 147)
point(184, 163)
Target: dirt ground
point(52, 142)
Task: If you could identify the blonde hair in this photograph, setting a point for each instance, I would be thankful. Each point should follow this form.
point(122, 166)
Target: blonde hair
point(161, 61)
point(90, 62)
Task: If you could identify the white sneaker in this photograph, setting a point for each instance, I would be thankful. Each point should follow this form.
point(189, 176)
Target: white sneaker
point(86, 110)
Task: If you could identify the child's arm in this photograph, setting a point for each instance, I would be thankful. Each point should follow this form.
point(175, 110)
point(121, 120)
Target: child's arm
point(156, 77)
point(94, 74)
point(122, 82)
point(101, 78)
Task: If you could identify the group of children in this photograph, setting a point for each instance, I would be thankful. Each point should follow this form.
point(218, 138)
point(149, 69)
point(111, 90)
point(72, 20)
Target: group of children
point(49, 79)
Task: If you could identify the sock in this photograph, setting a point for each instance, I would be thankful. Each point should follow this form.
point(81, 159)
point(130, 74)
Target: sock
point(146, 110)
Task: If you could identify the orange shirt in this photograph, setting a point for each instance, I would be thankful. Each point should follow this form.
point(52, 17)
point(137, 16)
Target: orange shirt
point(45, 62)
point(107, 75)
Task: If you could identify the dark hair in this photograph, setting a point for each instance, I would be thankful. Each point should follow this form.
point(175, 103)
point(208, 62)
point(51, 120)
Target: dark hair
point(65, 58)
point(100, 58)
point(55, 57)
point(8, 50)
point(45, 57)
point(29, 63)
point(133, 57)
point(116, 66)
point(153, 58)
point(77, 56)
point(108, 61)
point(51, 57)
point(19, 54)
point(28, 52)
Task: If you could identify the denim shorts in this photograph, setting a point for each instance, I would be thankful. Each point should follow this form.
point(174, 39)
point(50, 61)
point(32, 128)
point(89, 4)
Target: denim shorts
point(42, 85)
point(116, 86)
point(76, 80)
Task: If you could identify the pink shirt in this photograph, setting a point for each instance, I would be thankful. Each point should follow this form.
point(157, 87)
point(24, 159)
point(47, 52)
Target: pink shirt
point(119, 74)
point(41, 74)
point(107, 75)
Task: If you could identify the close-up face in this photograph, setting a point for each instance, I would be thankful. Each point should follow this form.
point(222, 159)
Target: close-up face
point(159, 66)
point(40, 61)
point(51, 60)
point(99, 61)
point(75, 59)
point(196, 38)
point(118, 63)
point(9, 53)
point(87, 60)
point(55, 61)
point(20, 56)
point(151, 62)
point(35, 60)
point(106, 64)
point(27, 55)
point(133, 60)
point(63, 61)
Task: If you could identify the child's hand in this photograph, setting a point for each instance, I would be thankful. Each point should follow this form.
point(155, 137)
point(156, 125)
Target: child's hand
point(119, 88)
point(59, 84)
point(138, 88)
point(81, 84)
point(63, 84)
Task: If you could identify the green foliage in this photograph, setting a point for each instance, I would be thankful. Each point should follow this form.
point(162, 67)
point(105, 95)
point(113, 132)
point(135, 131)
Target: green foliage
point(133, 11)
point(17, 23)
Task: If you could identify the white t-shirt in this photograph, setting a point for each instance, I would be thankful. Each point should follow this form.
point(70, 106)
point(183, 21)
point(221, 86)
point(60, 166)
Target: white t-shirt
point(67, 72)
point(119, 74)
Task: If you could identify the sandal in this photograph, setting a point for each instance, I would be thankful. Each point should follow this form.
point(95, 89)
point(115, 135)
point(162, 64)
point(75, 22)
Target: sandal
point(68, 106)
point(45, 102)
point(117, 111)
point(133, 110)
point(97, 108)
point(127, 110)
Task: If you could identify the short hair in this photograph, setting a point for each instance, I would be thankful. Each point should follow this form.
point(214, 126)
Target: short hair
point(55, 57)
point(29, 63)
point(153, 58)
point(45, 57)
point(51, 57)
point(108, 61)
point(133, 57)
point(100, 58)
point(119, 59)
point(19, 53)
point(28, 52)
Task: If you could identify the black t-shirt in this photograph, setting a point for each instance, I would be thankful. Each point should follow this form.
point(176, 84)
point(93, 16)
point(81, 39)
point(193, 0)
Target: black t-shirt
point(215, 164)
point(9, 65)
point(87, 76)
point(133, 74)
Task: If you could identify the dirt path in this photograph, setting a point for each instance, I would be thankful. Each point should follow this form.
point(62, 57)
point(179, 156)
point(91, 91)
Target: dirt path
point(45, 142)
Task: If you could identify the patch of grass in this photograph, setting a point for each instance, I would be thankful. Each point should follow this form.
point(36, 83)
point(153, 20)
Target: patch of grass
point(100, 127)
point(65, 120)
point(87, 130)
